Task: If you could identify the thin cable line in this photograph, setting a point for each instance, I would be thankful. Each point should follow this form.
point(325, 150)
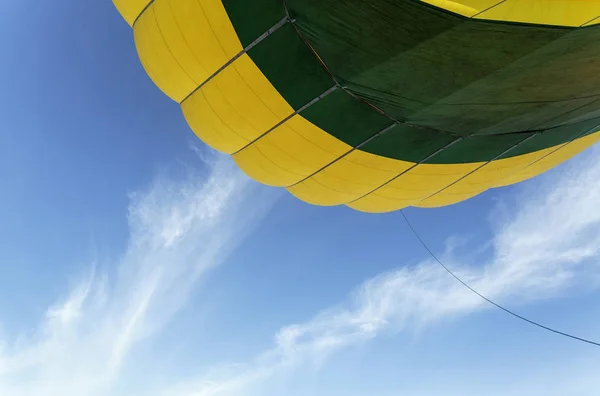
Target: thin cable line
point(508, 311)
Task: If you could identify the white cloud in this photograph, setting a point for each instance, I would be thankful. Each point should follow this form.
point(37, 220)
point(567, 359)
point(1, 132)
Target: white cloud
point(178, 231)
point(550, 244)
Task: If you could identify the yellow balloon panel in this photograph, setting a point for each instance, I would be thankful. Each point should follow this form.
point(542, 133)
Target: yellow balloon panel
point(543, 12)
point(554, 156)
point(270, 165)
point(349, 178)
point(186, 47)
point(297, 146)
point(468, 8)
point(157, 58)
point(413, 186)
point(182, 43)
point(235, 107)
point(205, 118)
point(130, 9)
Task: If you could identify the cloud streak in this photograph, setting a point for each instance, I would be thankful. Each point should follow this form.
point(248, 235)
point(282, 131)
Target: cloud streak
point(178, 232)
point(548, 245)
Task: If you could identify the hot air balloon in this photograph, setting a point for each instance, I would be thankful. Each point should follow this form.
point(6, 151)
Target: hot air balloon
point(380, 104)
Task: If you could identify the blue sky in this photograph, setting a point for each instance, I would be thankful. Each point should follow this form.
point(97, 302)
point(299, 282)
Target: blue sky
point(136, 261)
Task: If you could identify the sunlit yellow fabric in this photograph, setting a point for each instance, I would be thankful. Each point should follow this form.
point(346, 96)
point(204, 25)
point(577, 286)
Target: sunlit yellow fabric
point(553, 157)
point(348, 178)
point(468, 8)
point(297, 146)
point(183, 43)
point(543, 12)
point(413, 186)
point(130, 9)
point(434, 185)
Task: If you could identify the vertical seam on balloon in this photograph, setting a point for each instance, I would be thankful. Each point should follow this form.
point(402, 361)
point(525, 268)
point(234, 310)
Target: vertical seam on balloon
point(235, 68)
point(310, 141)
point(263, 36)
point(345, 89)
point(306, 106)
point(269, 32)
point(185, 41)
point(142, 47)
point(361, 100)
point(395, 121)
point(392, 118)
point(337, 85)
point(482, 165)
point(142, 13)
point(560, 147)
point(383, 131)
point(287, 153)
point(335, 189)
point(215, 131)
point(589, 22)
point(211, 27)
point(279, 166)
point(383, 113)
point(233, 108)
point(221, 119)
point(162, 36)
point(319, 59)
point(537, 126)
point(270, 169)
point(487, 9)
point(409, 169)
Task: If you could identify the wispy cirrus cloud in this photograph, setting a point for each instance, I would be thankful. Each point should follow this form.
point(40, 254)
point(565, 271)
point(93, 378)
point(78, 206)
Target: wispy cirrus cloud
point(547, 246)
point(178, 232)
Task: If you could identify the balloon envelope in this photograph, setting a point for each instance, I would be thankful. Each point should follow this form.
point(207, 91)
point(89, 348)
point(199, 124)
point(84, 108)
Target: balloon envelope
point(380, 104)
